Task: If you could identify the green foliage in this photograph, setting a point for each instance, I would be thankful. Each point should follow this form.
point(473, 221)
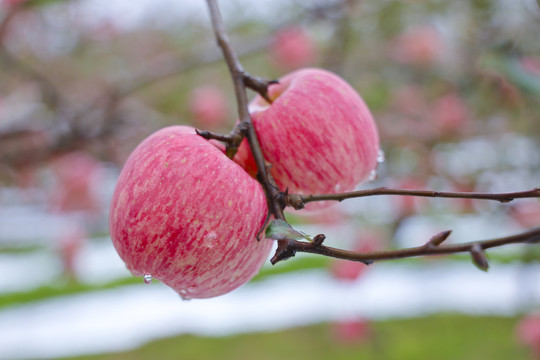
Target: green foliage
point(59, 289)
point(436, 337)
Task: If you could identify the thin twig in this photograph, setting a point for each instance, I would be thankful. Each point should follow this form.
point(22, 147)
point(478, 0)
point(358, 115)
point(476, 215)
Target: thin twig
point(431, 247)
point(239, 77)
point(277, 200)
point(298, 201)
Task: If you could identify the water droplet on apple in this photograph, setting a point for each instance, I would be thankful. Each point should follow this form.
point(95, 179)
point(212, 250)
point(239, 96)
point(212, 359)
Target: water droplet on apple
point(186, 294)
point(381, 157)
point(147, 279)
point(209, 239)
point(337, 187)
point(373, 175)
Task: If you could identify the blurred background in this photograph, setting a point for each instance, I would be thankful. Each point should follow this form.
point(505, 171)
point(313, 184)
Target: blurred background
point(455, 91)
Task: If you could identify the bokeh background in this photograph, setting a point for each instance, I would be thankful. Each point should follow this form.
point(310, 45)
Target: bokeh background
point(455, 91)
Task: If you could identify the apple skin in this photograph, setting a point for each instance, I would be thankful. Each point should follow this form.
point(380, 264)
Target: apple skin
point(188, 216)
point(318, 134)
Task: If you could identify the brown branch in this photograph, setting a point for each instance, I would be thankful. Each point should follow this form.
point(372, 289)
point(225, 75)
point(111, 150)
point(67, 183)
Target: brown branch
point(298, 201)
point(277, 200)
point(431, 247)
point(241, 81)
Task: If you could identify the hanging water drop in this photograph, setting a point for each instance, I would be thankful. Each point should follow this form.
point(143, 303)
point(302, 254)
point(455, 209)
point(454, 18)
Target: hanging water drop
point(147, 279)
point(373, 175)
point(184, 294)
point(381, 157)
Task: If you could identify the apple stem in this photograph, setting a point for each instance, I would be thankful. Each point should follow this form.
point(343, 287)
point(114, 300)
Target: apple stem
point(241, 81)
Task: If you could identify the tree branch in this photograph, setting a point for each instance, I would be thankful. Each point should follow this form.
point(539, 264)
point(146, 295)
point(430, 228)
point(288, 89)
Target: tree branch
point(431, 247)
point(277, 200)
point(298, 201)
point(241, 80)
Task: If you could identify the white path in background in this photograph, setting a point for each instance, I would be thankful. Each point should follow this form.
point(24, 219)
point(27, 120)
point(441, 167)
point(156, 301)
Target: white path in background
point(128, 317)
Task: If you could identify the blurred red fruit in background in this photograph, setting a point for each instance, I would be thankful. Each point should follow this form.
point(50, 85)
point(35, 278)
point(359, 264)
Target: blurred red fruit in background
point(208, 106)
point(526, 213)
point(352, 331)
point(450, 113)
point(351, 270)
point(528, 333)
point(69, 246)
point(77, 174)
point(420, 45)
point(292, 48)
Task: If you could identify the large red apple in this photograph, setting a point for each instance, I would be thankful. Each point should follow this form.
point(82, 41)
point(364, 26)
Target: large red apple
point(188, 216)
point(317, 133)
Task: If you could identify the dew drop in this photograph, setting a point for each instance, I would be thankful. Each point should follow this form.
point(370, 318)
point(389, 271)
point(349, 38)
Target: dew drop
point(381, 157)
point(147, 279)
point(209, 240)
point(337, 187)
point(186, 294)
point(373, 175)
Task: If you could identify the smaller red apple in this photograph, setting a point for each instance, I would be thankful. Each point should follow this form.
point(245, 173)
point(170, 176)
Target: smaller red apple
point(318, 134)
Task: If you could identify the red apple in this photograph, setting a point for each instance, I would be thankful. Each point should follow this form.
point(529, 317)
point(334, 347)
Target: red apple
point(292, 48)
point(317, 133)
point(188, 216)
point(208, 105)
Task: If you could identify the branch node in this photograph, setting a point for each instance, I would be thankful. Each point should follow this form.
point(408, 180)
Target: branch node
point(295, 201)
point(318, 239)
point(259, 85)
point(284, 251)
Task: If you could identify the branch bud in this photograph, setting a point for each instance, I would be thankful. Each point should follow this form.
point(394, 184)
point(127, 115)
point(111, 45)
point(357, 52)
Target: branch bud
point(318, 239)
point(438, 239)
point(479, 257)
